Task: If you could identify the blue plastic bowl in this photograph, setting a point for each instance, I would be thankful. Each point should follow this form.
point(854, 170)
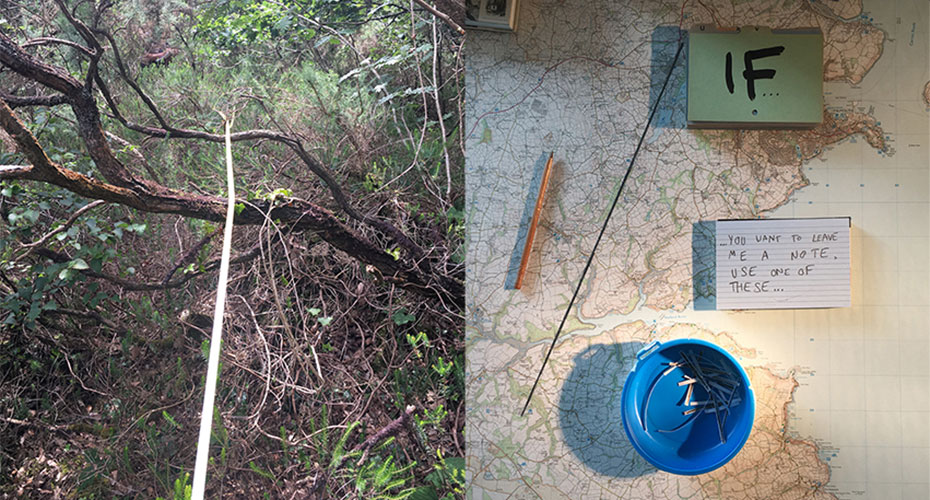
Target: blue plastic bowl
point(696, 447)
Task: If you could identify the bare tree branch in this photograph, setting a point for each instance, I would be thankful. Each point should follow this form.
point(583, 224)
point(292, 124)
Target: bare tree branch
point(134, 152)
point(167, 131)
point(131, 82)
point(15, 101)
point(445, 18)
point(45, 40)
point(148, 196)
point(96, 51)
point(91, 314)
point(14, 171)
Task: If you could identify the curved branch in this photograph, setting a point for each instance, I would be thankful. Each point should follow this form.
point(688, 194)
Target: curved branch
point(14, 171)
point(87, 315)
point(47, 40)
point(131, 82)
point(81, 28)
point(167, 131)
point(443, 17)
point(96, 49)
point(82, 103)
point(15, 101)
point(50, 76)
point(302, 215)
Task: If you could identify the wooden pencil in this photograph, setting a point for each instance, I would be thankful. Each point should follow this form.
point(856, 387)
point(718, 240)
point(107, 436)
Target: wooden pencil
point(531, 234)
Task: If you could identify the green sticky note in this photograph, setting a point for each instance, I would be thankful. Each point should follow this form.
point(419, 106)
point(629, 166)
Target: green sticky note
point(755, 78)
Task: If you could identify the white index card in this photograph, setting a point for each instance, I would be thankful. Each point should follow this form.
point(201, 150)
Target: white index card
point(782, 263)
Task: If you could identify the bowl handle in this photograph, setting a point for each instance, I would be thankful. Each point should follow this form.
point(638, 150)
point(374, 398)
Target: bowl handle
point(649, 349)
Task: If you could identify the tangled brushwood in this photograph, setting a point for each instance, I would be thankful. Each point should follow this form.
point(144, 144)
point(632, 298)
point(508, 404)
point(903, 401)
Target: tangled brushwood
point(342, 368)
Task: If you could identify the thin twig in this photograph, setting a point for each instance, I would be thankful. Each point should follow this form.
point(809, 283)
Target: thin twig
point(190, 255)
point(64, 227)
point(267, 377)
point(45, 40)
point(445, 18)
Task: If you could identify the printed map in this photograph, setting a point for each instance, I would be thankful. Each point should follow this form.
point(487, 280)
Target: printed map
point(842, 399)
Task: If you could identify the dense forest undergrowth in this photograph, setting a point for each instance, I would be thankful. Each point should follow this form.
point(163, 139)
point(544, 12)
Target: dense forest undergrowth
point(342, 368)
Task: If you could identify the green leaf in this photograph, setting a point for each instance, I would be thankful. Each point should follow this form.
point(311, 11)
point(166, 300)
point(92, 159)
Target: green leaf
point(424, 493)
point(401, 317)
point(325, 321)
point(456, 465)
point(261, 472)
point(314, 311)
point(170, 419)
point(388, 97)
point(79, 264)
point(339, 449)
point(442, 367)
point(323, 39)
point(451, 471)
point(283, 24)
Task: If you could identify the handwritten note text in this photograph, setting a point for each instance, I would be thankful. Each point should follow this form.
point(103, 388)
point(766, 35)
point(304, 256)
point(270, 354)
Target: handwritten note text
point(783, 263)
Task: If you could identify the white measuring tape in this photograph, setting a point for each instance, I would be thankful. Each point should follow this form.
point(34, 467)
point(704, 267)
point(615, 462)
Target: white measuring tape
point(206, 415)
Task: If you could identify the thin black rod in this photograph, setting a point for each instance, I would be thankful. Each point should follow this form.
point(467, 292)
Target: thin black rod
point(603, 229)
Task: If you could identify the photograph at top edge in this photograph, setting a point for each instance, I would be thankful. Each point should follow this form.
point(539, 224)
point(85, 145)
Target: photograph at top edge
point(232, 249)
